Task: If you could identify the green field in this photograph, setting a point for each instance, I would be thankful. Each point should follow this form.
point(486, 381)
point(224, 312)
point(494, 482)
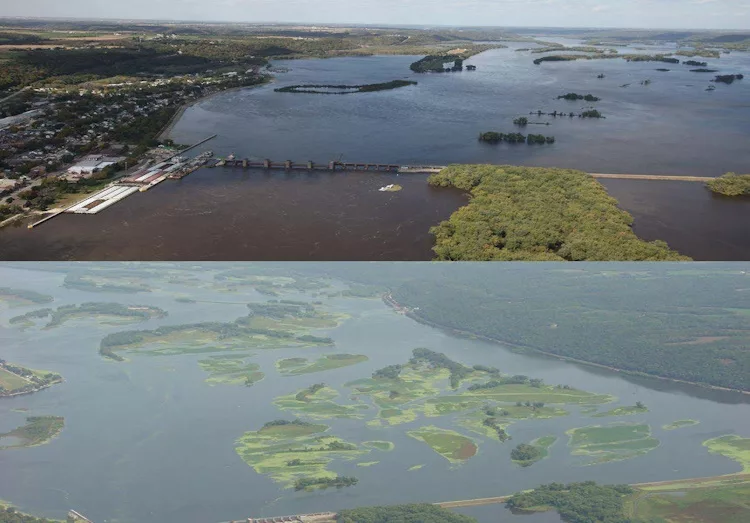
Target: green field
point(679, 424)
point(451, 445)
point(231, 371)
point(621, 411)
point(614, 442)
point(10, 381)
point(726, 504)
point(16, 379)
point(294, 451)
point(37, 431)
point(318, 405)
point(296, 366)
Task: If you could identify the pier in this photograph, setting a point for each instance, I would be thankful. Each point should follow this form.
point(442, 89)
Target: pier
point(317, 517)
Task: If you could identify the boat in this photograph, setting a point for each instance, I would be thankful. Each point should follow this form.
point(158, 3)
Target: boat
point(386, 188)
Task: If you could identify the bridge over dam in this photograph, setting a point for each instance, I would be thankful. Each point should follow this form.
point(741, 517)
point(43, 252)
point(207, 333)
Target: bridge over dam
point(289, 165)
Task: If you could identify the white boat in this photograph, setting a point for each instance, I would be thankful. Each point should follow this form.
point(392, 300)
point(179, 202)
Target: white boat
point(386, 188)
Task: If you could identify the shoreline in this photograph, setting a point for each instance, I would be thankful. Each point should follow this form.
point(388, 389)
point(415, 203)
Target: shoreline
point(388, 299)
point(169, 127)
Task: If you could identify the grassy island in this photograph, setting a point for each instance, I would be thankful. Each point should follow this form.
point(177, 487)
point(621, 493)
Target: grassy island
point(385, 446)
point(615, 442)
point(680, 424)
point(296, 366)
point(526, 455)
point(295, 453)
point(623, 411)
point(16, 380)
point(231, 371)
point(37, 431)
point(106, 313)
point(731, 184)
point(104, 283)
point(344, 89)
point(20, 297)
point(532, 213)
point(316, 402)
point(453, 446)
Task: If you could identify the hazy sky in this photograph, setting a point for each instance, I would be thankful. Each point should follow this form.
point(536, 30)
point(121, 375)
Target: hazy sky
point(715, 14)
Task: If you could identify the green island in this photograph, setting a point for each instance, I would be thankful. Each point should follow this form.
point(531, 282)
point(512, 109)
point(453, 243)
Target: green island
point(614, 442)
point(20, 297)
point(297, 366)
point(296, 454)
point(576, 96)
point(727, 78)
point(680, 423)
point(9, 514)
point(699, 342)
point(289, 315)
point(576, 502)
point(526, 454)
point(495, 137)
point(731, 184)
point(16, 380)
point(385, 446)
point(597, 56)
point(417, 512)
point(638, 408)
point(37, 431)
point(704, 70)
point(367, 463)
point(316, 402)
point(415, 467)
point(392, 187)
point(694, 63)
point(231, 371)
point(93, 282)
point(533, 213)
point(344, 89)
point(105, 313)
point(436, 63)
point(453, 446)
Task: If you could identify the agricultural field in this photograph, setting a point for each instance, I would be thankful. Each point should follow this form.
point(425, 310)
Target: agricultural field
point(614, 442)
point(15, 379)
point(296, 366)
point(680, 423)
point(37, 431)
point(231, 371)
point(289, 451)
point(453, 446)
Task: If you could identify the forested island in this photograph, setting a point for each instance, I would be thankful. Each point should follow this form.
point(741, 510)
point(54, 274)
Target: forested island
point(18, 297)
point(344, 89)
point(731, 184)
point(695, 63)
point(16, 380)
point(114, 312)
point(545, 214)
point(728, 78)
point(37, 431)
point(576, 96)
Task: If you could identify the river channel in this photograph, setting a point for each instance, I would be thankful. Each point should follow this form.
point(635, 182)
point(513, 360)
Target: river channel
point(148, 440)
point(672, 126)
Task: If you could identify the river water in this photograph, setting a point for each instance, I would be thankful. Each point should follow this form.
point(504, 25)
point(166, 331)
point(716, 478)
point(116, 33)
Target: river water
point(148, 440)
point(672, 126)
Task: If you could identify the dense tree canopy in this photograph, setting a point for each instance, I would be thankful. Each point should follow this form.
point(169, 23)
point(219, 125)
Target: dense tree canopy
point(525, 213)
point(413, 513)
point(731, 184)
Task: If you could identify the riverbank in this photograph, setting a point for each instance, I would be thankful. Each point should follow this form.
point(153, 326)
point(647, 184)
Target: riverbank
point(388, 300)
point(167, 129)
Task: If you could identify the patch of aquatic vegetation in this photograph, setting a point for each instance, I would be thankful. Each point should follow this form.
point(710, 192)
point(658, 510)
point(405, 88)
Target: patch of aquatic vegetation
point(290, 316)
point(367, 463)
point(37, 431)
point(107, 282)
point(290, 452)
point(20, 297)
point(415, 467)
point(453, 446)
point(732, 446)
point(385, 446)
point(316, 402)
point(231, 371)
point(200, 338)
point(105, 313)
point(614, 442)
point(526, 455)
point(680, 423)
point(296, 366)
point(235, 279)
point(622, 411)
